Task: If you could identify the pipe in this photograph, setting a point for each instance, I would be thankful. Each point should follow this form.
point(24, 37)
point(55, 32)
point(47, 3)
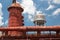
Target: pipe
point(31, 28)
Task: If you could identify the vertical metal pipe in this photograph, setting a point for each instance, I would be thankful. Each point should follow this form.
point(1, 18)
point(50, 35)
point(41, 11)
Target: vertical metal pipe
point(14, 1)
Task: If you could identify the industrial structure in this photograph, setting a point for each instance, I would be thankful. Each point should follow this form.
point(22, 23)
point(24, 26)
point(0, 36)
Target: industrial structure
point(39, 19)
point(17, 31)
point(15, 17)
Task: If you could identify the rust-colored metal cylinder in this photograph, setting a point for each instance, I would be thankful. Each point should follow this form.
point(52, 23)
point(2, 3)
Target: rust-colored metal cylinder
point(15, 18)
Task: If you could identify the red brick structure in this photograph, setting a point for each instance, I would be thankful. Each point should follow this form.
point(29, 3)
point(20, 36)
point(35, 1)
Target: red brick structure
point(15, 17)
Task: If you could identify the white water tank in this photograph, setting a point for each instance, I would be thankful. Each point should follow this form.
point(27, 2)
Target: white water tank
point(39, 19)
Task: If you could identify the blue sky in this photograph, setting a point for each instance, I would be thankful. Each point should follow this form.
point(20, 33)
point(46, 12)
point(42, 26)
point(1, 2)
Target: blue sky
point(51, 9)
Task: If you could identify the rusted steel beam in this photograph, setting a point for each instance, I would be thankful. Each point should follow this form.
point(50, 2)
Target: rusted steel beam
point(32, 28)
point(30, 37)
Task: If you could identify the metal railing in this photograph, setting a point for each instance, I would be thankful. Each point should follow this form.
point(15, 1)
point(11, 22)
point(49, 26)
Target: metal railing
point(31, 37)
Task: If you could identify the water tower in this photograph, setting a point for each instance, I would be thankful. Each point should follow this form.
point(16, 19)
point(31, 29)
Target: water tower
point(39, 19)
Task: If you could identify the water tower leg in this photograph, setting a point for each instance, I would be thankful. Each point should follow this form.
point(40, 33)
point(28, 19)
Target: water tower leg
point(57, 32)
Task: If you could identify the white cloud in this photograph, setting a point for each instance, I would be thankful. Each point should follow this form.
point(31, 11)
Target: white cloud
point(49, 1)
point(1, 23)
point(38, 12)
point(56, 1)
point(0, 5)
point(30, 17)
point(45, 0)
point(1, 9)
point(6, 22)
point(28, 6)
point(50, 7)
point(1, 18)
point(56, 12)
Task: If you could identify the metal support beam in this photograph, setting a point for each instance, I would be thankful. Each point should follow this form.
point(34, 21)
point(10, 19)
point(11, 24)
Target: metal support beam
point(25, 29)
point(30, 37)
point(31, 28)
point(57, 32)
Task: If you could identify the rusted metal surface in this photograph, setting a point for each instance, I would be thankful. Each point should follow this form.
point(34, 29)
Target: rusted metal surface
point(30, 37)
point(31, 28)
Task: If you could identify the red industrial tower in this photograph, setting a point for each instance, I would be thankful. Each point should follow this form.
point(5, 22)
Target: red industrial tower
point(15, 17)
